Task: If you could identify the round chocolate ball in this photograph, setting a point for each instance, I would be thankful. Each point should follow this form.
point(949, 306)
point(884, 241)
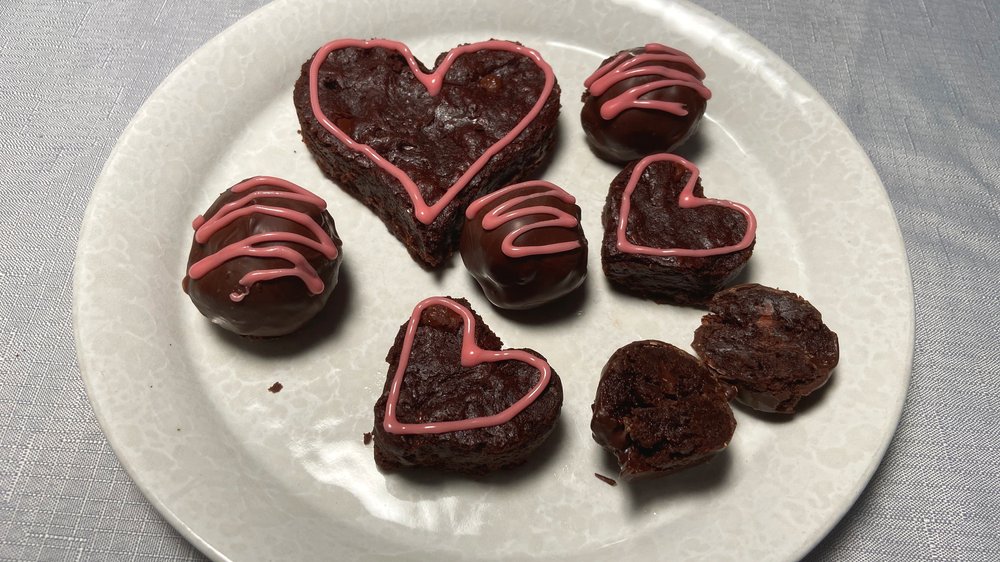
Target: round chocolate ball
point(524, 244)
point(264, 259)
point(643, 101)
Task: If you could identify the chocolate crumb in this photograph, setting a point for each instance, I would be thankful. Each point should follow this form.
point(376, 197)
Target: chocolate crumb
point(606, 479)
point(367, 437)
point(275, 388)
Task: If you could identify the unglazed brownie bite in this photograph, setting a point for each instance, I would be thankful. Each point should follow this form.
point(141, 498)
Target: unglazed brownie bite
point(524, 244)
point(658, 410)
point(643, 101)
point(265, 258)
point(664, 240)
point(452, 400)
point(415, 146)
point(772, 345)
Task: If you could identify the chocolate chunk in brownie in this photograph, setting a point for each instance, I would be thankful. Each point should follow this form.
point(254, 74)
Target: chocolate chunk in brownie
point(485, 414)
point(659, 409)
point(417, 157)
point(673, 245)
point(772, 345)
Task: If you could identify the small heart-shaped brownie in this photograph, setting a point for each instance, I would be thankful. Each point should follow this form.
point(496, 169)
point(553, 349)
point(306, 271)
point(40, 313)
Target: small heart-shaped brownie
point(415, 145)
point(664, 240)
point(453, 400)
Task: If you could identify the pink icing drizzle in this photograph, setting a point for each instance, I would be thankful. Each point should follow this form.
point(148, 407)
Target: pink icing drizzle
point(686, 200)
point(433, 82)
point(250, 246)
point(616, 71)
point(472, 355)
point(506, 212)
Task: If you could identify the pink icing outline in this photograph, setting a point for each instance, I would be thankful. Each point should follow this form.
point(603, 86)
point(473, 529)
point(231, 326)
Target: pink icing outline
point(616, 71)
point(472, 355)
point(503, 213)
point(686, 200)
point(433, 82)
point(234, 210)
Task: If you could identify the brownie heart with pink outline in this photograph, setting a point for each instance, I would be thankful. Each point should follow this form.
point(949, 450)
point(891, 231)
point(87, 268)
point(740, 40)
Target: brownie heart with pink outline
point(665, 240)
point(454, 399)
point(417, 145)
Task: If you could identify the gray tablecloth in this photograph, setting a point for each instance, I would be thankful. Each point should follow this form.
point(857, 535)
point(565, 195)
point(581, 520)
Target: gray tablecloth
point(917, 82)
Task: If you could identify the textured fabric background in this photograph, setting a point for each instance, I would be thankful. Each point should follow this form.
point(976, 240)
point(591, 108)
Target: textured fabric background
point(917, 83)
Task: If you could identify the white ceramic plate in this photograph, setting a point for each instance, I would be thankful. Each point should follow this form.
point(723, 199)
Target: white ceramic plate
point(247, 474)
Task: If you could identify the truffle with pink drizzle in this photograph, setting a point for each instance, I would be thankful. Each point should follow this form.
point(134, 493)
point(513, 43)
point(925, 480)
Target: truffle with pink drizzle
point(664, 240)
point(524, 244)
point(265, 258)
point(417, 145)
point(642, 101)
point(455, 400)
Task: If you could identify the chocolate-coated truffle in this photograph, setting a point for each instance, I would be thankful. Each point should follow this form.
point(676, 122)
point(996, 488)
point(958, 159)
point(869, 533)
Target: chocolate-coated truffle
point(642, 101)
point(524, 244)
point(264, 259)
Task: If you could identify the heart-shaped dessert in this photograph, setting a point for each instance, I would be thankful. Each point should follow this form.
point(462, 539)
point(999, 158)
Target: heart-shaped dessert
point(663, 239)
point(415, 145)
point(454, 400)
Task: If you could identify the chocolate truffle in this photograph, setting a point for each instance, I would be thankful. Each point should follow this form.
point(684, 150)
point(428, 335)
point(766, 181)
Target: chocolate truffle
point(772, 345)
point(664, 240)
point(417, 146)
point(454, 401)
point(264, 259)
point(642, 101)
point(658, 409)
point(524, 244)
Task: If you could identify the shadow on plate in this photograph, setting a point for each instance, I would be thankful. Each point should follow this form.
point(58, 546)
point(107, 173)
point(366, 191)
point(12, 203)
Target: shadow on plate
point(645, 493)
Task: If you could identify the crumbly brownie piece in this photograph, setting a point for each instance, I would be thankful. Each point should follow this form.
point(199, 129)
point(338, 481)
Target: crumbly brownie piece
point(772, 345)
point(265, 258)
point(673, 245)
point(473, 418)
point(417, 157)
point(658, 410)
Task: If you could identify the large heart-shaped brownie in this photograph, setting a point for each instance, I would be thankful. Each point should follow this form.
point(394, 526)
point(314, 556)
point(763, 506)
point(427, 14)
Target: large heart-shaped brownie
point(454, 400)
point(663, 239)
point(415, 145)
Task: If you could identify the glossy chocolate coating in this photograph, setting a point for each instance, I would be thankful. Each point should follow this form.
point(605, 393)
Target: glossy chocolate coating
point(526, 281)
point(636, 132)
point(270, 308)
